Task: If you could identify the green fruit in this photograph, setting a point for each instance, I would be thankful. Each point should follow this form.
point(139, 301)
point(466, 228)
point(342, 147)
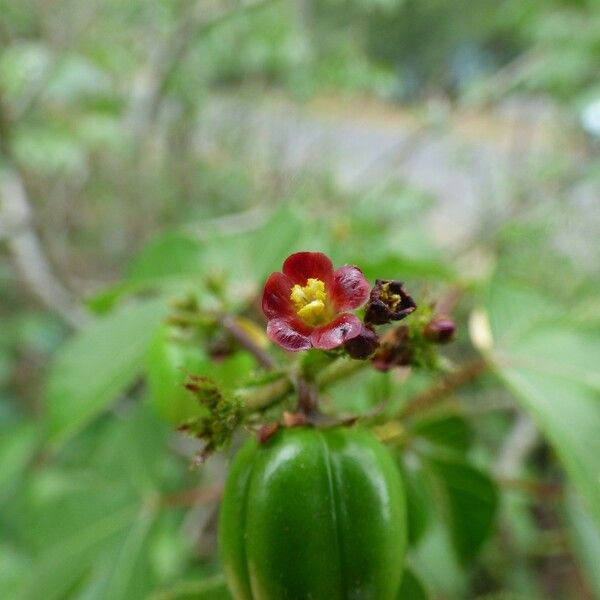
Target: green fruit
point(313, 514)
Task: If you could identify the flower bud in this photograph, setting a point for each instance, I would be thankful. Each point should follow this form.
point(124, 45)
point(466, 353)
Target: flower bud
point(363, 345)
point(440, 330)
point(388, 302)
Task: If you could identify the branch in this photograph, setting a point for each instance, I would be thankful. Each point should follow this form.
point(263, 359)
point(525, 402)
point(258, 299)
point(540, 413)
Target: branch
point(432, 396)
point(519, 443)
point(263, 358)
point(193, 497)
point(22, 239)
point(151, 83)
point(39, 85)
point(260, 397)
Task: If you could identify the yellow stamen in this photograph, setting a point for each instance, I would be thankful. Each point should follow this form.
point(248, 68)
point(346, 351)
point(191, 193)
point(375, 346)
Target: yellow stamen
point(391, 299)
point(310, 302)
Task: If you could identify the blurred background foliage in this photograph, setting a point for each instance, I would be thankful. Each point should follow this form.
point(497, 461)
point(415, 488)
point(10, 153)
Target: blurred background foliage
point(155, 153)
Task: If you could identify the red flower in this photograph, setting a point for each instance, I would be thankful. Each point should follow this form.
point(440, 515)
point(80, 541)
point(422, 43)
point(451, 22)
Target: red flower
point(306, 304)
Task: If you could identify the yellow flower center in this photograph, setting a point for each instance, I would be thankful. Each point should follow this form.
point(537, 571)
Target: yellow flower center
point(310, 302)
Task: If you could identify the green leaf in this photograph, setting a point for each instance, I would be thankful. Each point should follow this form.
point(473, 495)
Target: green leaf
point(553, 372)
point(435, 556)
point(584, 534)
point(175, 256)
point(213, 588)
point(447, 430)
point(130, 574)
point(93, 526)
point(17, 448)
point(418, 503)
point(66, 561)
point(96, 365)
point(471, 501)
point(412, 587)
point(169, 362)
point(132, 451)
point(396, 266)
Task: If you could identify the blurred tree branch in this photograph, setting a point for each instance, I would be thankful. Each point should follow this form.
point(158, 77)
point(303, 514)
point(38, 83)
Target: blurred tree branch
point(151, 83)
point(22, 239)
point(36, 90)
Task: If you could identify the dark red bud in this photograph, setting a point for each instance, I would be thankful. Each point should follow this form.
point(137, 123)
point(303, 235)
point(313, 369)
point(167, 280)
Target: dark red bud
point(388, 302)
point(440, 330)
point(363, 345)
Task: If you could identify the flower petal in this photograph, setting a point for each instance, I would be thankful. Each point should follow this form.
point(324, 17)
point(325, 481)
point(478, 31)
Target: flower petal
point(276, 296)
point(289, 334)
point(350, 288)
point(301, 266)
point(334, 334)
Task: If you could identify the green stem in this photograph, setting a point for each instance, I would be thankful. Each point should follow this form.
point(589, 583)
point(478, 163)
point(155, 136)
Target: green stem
point(340, 369)
point(261, 397)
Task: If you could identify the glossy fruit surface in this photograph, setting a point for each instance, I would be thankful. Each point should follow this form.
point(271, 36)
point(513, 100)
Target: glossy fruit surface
point(313, 514)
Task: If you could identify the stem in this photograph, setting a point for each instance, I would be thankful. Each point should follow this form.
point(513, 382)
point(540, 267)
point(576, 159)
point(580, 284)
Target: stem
point(308, 397)
point(540, 489)
point(258, 398)
point(192, 497)
point(340, 369)
point(263, 358)
point(429, 398)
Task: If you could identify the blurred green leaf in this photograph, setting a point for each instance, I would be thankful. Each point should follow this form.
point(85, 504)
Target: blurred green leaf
point(418, 502)
point(65, 561)
point(435, 556)
point(471, 500)
point(399, 267)
point(94, 526)
point(412, 587)
point(17, 447)
point(553, 372)
point(448, 430)
point(171, 257)
point(96, 365)
point(168, 364)
point(213, 588)
point(584, 534)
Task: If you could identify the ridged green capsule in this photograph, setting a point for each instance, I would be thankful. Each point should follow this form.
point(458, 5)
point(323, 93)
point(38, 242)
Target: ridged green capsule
point(313, 514)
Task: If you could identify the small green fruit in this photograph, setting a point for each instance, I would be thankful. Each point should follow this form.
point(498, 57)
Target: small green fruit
point(313, 514)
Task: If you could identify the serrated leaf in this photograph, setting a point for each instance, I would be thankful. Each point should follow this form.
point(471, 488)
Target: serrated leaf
point(96, 365)
point(471, 499)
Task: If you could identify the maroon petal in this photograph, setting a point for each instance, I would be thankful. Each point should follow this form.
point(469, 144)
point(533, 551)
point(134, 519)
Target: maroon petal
point(276, 296)
point(289, 334)
point(334, 334)
point(303, 265)
point(350, 288)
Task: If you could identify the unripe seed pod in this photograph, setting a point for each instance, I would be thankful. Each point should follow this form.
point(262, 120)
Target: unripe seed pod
point(313, 513)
